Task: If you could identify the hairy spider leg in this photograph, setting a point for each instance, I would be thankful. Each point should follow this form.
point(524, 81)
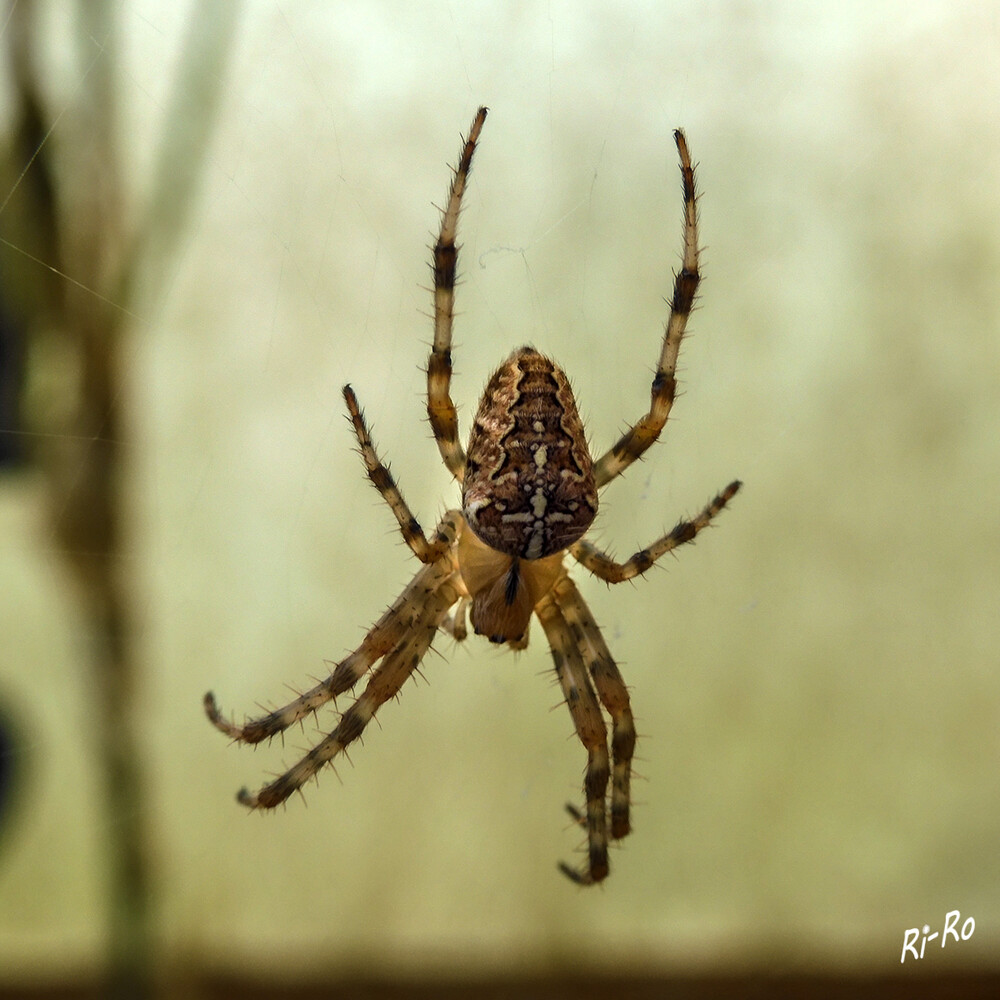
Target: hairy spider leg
point(646, 430)
point(440, 408)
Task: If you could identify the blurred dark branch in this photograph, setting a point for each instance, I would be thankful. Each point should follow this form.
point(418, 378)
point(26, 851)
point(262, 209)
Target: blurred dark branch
point(68, 210)
point(28, 223)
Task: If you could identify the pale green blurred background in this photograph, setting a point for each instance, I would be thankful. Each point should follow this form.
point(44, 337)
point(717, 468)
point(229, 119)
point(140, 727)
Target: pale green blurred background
point(815, 681)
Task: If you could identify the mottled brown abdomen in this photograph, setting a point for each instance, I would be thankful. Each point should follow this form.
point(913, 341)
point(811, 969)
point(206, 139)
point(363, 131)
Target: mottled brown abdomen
point(529, 483)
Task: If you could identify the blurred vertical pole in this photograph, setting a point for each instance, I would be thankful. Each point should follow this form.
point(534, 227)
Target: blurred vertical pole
point(90, 521)
point(70, 203)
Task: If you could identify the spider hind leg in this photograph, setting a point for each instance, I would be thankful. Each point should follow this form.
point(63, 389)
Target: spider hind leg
point(440, 408)
point(634, 442)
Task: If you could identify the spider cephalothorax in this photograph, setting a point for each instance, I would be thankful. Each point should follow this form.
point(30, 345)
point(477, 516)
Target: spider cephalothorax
point(529, 495)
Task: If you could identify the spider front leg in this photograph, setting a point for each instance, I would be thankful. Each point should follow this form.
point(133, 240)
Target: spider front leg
point(384, 635)
point(440, 408)
point(613, 693)
point(590, 727)
point(642, 434)
point(386, 682)
point(607, 569)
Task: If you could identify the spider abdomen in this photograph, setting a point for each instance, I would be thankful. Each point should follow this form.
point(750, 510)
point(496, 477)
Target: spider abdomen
point(529, 486)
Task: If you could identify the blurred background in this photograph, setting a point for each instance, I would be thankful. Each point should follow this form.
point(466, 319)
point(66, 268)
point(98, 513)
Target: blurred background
point(214, 215)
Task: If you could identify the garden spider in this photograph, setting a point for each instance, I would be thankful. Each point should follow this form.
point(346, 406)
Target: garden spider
point(529, 494)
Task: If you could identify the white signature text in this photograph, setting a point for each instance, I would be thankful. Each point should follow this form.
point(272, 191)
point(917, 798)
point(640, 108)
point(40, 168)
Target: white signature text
point(911, 936)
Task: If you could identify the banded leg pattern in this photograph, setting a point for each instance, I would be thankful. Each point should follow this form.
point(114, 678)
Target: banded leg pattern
point(586, 714)
point(607, 569)
point(385, 634)
point(613, 694)
point(440, 408)
point(385, 683)
point(639, 437)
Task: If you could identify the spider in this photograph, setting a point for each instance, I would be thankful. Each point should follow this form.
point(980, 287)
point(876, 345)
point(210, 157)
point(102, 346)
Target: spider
point(529, 494)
